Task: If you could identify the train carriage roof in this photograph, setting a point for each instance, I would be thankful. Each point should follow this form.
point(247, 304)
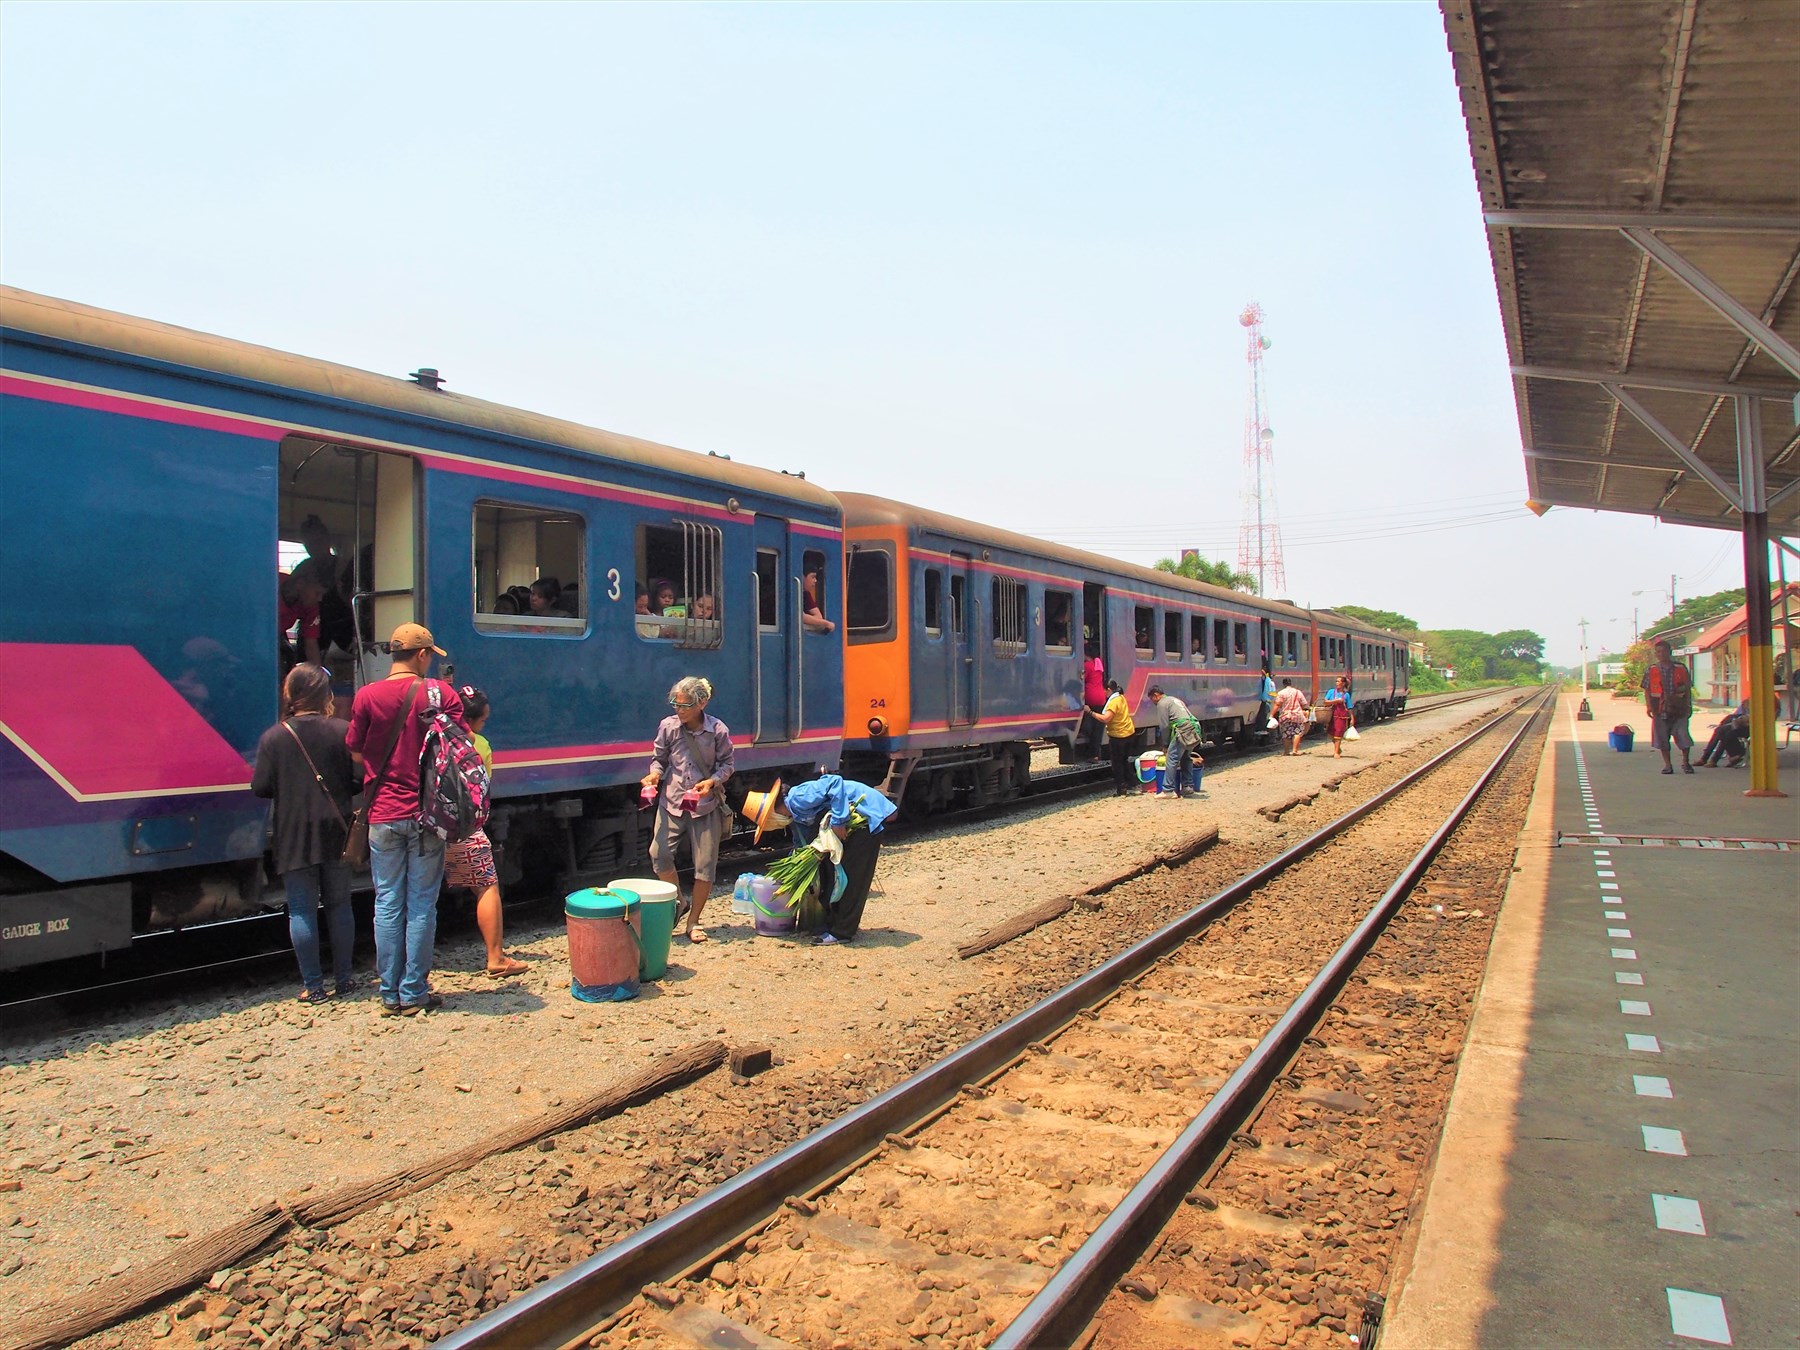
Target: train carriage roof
point(862, 509)
point(67, 321)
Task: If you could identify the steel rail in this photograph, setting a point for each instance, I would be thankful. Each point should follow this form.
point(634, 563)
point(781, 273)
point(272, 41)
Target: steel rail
point(563, 1311)
point(1063, 1308)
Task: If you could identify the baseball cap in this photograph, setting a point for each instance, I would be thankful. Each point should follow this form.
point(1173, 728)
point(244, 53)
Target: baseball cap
point(413, 637)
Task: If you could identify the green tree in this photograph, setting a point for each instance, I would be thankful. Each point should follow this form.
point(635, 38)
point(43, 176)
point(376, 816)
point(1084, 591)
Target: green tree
point(1380, 618)
point(1196, 568)
point(1639, 657)
point(1698, 608)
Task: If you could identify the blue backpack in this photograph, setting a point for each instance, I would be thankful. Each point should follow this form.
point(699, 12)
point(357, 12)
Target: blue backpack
point(453, 782)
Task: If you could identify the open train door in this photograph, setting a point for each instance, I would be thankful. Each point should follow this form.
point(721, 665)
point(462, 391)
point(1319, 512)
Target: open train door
point(777, 635)
point(960, 648)
point(351, 515)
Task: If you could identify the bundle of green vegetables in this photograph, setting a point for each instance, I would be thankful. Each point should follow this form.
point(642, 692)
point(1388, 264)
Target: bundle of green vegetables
point(798, 873)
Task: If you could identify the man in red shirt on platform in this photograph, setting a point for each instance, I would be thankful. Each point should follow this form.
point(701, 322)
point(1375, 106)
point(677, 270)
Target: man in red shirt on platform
point(1669, 697)
point(386, 726)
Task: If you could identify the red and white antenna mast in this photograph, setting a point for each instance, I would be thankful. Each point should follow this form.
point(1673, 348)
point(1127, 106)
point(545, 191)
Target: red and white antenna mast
point(1259, 537)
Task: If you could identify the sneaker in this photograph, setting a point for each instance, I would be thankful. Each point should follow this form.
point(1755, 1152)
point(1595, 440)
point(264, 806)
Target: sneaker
point(391, 1009)
point(829, 940)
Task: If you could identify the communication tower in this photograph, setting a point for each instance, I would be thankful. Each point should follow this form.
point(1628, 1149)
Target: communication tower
point(1259, 537)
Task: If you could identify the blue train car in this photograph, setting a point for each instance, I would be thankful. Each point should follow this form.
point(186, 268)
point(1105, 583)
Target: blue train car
point(156, 479)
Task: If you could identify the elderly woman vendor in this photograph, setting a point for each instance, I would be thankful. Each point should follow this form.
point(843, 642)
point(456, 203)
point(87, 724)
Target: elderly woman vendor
point(690, 764)
point(831, 799)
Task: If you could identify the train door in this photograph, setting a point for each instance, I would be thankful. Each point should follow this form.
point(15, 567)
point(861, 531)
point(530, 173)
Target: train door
point(960, 648)
point(1269, 662)
point(1093, 617)
point(777, 635)
point(348, 520)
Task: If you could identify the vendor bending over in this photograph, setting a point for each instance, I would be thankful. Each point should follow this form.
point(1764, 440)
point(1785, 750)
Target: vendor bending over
point(832, 799)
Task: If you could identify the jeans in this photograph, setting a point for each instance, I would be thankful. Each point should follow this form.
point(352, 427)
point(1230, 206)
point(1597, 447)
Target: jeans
point(408, 863)
point(1181, 774)
point(327, 884)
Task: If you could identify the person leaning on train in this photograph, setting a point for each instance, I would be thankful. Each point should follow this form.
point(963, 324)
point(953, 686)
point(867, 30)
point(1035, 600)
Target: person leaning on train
point(690, 763)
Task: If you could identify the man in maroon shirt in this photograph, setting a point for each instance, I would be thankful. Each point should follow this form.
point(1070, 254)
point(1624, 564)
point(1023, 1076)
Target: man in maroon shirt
point(407, 860)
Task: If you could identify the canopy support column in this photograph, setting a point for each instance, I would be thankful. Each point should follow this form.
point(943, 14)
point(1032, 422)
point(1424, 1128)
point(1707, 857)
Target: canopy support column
point(1759, 662)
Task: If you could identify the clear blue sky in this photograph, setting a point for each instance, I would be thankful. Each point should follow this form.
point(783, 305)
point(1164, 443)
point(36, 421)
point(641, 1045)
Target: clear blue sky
point(986, 259)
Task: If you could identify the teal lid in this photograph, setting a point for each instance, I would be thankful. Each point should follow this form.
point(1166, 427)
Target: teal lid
point(597, 902)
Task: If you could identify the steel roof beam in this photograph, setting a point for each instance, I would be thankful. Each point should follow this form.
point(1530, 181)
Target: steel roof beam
point(1674, 381)
point(1614, 460)
point(1678, 447)
point(1642, 220)
point(1734, 311)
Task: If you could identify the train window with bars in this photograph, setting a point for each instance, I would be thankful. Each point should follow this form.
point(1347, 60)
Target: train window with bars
point(959, 604)
point(1009, 616)
point(934, 602)
point(679, 567)
point(1059, 621)
point(1240, 643)
point(521, 549)
point(869, 595)
point(1197, 637)
point(1172, 636)
point(1221, 641)
point(1144, 625)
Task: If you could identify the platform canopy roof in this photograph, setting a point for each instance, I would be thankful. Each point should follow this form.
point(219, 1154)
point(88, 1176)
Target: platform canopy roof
point(1639, 169)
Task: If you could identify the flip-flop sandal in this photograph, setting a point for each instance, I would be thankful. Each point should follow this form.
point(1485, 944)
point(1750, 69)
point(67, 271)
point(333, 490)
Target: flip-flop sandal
point(696, 935)
point(508, 970)
point(307, 996)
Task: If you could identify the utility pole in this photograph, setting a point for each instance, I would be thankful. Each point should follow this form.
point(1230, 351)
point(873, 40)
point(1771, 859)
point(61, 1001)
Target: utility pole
point(1584, 713)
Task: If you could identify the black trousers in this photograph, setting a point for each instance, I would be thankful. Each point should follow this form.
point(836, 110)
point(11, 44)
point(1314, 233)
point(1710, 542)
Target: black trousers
point(1122, 753)
point(861, 850)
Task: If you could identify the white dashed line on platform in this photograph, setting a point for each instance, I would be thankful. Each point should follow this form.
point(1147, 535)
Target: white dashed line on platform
point(1660, 1140)
point(1609, 885)
point(1678, 1214)
point(1647, 1085)
point(1628, 977)
point(1618, 932)
point(1649, 1045)
point(1624, 953)
point(1699, 1317)
point(1616, 914)
point(1632, 1007)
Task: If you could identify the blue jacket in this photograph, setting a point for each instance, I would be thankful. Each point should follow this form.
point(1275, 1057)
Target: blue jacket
point(807, 802)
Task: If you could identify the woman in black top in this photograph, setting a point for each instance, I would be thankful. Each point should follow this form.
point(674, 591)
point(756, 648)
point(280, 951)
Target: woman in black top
point(304, 764)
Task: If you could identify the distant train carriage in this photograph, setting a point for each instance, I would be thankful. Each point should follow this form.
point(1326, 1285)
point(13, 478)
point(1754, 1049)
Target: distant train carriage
point(965, 643)
point(154, 476)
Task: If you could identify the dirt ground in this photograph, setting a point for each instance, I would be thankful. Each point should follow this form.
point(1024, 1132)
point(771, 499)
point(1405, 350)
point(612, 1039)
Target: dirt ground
point(120, 1139)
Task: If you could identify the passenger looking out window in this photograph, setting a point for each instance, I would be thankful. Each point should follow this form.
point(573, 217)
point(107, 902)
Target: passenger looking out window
point(812, 615)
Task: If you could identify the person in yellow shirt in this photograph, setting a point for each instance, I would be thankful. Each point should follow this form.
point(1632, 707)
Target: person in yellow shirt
point(1121, 734)
point(470, 862)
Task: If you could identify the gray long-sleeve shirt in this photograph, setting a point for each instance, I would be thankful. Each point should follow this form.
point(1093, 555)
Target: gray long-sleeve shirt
point(684, 760)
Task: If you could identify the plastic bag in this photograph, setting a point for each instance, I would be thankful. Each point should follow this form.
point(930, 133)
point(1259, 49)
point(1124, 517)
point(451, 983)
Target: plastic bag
point(1274, 724)
point(1351, 734)
point(828, 843)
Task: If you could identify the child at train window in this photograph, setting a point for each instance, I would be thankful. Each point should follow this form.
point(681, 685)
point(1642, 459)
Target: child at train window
point(812, 617)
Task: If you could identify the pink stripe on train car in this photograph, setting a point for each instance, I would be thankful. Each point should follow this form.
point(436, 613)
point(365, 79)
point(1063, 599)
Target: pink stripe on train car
point(151, 410)
point(105, 725)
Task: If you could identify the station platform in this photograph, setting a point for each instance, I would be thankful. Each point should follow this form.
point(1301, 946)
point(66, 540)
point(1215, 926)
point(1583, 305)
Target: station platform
point(1621, 1162)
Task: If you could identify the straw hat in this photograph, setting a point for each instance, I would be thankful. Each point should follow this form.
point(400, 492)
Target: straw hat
point(761, 809)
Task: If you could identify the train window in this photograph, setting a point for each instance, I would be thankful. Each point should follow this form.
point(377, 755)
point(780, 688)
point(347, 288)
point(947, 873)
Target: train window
point(869, 595)
point(1171, 636)
point(959, 604)
point(1009, 616)
point(1293, 648)
point(934, 601)
point(1240, 643)
point(1306, 649)
point(1277, 656)
point(1221, 641)
point(529, 567)
point(812, 588)
point(1059, 621)
point(1197, 637)
point(1145, 624)
point(768, 590)
point(681, 595)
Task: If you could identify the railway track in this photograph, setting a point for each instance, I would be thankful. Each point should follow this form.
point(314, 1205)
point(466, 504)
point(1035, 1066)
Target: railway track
point(998, 1196)
point(255, 946)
